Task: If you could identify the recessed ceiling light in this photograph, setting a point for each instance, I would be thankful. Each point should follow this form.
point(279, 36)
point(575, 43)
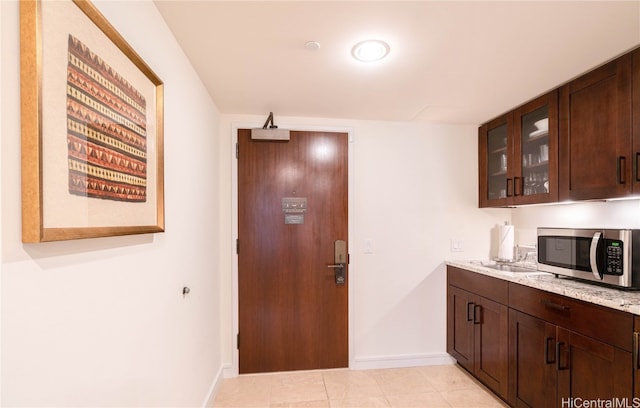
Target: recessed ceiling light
point(312, 45)
point(370, 50)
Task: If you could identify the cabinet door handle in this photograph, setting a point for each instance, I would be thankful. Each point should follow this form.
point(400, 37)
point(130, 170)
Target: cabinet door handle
point(470, 311)
point(516, 184)
point(509, 182)
point(477, 317)
point(622, 170)
point(546, 351)
point(555, 306)
point(559, 366)
point(637, 169)
point(636, 351)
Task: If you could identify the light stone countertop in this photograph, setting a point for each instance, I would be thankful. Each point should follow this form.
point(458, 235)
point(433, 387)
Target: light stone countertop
point(619, 299)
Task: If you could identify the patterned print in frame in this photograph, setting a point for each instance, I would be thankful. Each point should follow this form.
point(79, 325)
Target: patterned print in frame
point(106, 130)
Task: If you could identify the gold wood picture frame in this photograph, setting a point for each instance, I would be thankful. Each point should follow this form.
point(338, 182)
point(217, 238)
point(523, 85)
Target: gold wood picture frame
point(92, 127)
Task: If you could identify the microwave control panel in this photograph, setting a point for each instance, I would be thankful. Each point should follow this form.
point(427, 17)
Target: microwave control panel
point(614, 257)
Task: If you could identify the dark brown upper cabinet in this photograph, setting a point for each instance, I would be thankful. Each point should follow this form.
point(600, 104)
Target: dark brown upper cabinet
point(495, 145)
point(597, 160)
point(590, 151)
point(635, 115)
point(518, 155)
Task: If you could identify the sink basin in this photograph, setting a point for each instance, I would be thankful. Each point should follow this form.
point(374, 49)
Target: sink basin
point(510, 268)
point(505, 267)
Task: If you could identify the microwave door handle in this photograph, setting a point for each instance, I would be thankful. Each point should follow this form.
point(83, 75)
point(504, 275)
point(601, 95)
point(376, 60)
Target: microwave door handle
point(593, 255)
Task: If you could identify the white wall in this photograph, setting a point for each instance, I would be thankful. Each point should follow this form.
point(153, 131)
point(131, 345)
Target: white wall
point(413, 187)
point(599, 214)
point(1, 228)
point(103, 322)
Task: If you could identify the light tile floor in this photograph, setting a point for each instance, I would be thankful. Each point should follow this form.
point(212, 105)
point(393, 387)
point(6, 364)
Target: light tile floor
point(430, 386)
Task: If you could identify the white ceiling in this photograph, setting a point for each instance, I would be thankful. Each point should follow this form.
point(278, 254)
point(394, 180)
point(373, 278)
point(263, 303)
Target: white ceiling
point(450, 61)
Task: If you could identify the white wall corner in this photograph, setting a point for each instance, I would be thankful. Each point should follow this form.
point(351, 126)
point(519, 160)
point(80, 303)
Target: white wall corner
point(215, 386)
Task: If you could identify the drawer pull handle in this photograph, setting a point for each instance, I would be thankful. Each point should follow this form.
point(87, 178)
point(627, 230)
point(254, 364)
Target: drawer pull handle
point(555, 306)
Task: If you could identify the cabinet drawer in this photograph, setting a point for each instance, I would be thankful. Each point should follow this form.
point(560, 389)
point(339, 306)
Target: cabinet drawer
point(487, 286)
point(610, 326)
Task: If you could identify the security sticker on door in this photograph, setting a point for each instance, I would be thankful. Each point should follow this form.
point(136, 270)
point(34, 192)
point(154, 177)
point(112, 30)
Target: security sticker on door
point(294, 209)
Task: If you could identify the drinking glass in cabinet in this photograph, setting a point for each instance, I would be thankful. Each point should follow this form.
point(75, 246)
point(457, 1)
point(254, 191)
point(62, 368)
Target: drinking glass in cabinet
point(544, 153)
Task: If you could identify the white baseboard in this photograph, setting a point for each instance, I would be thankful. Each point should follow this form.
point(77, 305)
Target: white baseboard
point(229, 372)
point(217, 381)
point(362, 363)
point(401, 361)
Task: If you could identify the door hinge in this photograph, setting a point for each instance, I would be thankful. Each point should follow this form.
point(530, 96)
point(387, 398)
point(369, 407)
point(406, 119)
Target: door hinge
point(237, 149)
point(238, 341)
point(237, 246)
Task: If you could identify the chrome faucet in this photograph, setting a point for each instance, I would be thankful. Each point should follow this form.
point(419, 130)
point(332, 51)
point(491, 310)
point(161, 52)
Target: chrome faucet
point(527, 254)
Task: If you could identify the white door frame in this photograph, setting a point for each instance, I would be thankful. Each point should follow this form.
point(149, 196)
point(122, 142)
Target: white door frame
point(235, 365)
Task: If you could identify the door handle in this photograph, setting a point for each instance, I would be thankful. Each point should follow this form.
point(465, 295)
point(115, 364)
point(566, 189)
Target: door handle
point(517, 184)
point(470, 311)
point(559, 346)
point(340, 261)
point(509, 182)
point(636, 351)
point(547, 360)
point(622, 170)
point(477, 310)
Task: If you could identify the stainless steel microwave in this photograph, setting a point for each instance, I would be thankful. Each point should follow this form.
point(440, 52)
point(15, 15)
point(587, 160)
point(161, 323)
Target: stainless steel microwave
point(609, 256)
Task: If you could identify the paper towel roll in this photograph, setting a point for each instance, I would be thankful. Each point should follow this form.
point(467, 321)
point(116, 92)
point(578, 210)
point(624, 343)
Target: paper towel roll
point(505, 249)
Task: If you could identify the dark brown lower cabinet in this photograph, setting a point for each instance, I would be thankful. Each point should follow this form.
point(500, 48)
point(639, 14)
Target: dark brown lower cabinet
point(539, 349)
point(491, 351)
point(553, 367)
point(460, 326)
point(567, 350)
point(636, 357)
point(532, 362)
point(477, 327)
point(591, 370)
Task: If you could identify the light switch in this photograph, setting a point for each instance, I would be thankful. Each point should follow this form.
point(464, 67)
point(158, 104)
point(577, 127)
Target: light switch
point(368, 246)
point(457, 245)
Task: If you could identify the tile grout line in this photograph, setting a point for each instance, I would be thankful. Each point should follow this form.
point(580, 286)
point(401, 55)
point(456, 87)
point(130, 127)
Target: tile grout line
point(326, 392)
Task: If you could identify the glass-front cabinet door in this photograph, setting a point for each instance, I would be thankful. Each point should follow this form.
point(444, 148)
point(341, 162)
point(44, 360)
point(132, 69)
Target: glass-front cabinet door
point(518, 155)
point(495, 147)
point(536, 151)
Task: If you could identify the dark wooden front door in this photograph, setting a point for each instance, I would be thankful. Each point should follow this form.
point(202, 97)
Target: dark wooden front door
point(292, 313)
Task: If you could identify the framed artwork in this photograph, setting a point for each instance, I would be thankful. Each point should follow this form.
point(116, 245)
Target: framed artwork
point(92, 127)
